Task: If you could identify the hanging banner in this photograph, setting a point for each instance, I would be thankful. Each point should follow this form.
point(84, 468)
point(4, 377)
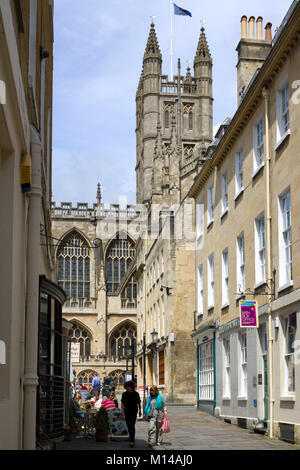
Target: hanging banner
point(248, 314)
point(75, 352)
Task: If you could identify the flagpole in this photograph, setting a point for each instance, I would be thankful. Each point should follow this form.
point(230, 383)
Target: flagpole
point(171, 41)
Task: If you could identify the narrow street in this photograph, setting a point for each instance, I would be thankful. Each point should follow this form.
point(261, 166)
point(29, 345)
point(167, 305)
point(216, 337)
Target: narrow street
point(190, 430)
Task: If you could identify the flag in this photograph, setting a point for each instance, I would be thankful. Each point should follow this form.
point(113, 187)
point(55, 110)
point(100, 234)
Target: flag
point(181, 11)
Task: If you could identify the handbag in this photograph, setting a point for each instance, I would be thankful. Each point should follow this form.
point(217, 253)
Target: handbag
point(165, 426)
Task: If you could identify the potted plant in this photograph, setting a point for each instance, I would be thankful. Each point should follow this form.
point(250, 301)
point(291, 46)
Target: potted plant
point(101, 425)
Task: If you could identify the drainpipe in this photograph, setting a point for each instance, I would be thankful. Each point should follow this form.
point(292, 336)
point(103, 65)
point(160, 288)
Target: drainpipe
point(32, 300)
point(266, 95)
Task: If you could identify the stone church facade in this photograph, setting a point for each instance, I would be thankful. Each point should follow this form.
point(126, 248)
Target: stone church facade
point(95, 266)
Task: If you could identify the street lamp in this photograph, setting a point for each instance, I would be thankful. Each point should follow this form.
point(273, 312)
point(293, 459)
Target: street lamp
point(154, 336)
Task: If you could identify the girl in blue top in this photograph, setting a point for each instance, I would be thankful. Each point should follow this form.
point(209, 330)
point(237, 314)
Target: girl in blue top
point(155, 411)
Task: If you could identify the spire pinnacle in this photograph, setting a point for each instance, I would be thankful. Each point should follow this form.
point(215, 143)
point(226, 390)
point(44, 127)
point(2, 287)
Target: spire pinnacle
point(152, 47)
point(203, 51)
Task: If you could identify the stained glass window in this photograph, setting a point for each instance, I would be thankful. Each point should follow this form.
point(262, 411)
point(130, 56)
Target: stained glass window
point(118, 259)
point(73, 267)
point(123, 338)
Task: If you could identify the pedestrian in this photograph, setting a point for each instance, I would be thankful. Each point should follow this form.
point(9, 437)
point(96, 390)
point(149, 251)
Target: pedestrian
point(155, 411)
point(131, 404)
point(96, 383)
point(113, 397)
point(107, 403)
point(96, 400)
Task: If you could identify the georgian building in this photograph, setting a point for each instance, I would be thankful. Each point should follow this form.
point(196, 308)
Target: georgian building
point(95, 252)
point(248, 192)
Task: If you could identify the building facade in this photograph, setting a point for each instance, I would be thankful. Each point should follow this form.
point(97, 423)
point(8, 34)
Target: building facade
point(95, 252)
point(248, 191)
point(26, 272)
point(174, 129)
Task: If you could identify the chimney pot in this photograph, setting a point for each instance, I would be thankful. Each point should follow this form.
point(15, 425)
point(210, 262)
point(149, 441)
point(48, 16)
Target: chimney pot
point(251, 27)
point(244, 27)
point(268, 29)
point(259, 28)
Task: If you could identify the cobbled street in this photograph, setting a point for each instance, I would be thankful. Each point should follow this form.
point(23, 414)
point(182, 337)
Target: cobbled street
point(190, 430)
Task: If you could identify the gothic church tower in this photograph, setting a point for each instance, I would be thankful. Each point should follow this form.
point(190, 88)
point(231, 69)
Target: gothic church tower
point(174, 124)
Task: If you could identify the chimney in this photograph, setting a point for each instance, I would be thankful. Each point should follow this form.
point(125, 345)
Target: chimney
point(252, 50)
point(244, 27)
point(268, 29)
point(259, 28)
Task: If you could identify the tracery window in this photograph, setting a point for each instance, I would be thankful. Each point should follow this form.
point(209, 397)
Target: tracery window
point(118, 259)
point(117, 377)
point(86, 377)
point(121, 340)
point(73, 268)
point(80, 335)
point(129, 294)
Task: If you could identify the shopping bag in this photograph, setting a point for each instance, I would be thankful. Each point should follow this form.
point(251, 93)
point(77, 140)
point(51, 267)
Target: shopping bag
point(165, 426)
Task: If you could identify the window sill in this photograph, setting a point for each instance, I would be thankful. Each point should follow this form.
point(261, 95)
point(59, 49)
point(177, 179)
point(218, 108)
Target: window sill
point(210, 224)
point(260, 284)
point(258, 170)
point(224, 213)
point(292, 398)
point(226, 398)
point(239, 193)
point(242, 398)
point(282, 139)
point(285, 286)
point(225, 305)
point(210, 307)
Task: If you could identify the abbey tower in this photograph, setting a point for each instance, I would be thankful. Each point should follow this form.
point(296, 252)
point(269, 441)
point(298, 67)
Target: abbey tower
point(174, 124)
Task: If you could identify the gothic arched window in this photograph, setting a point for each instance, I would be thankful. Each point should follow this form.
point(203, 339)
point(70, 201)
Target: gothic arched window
point(121, 340)
point(129, 294)
point(73, 267)
point(80, 335)
point(86, 377)
point(117, 377)
point(119, 256)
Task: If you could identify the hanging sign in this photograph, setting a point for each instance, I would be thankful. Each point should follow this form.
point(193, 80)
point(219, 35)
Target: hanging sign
point(248, 314)
point(75, 352)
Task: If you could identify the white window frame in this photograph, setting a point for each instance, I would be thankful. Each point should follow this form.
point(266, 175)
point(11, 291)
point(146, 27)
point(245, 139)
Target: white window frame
point(282, 112)
point(260, 249)
point(210, 282)
point(199, 223)
point(200, 291)
point(243, 366)
point(227, 374)
point(206, 371)
point(239, 172)
point(240, 259)
point(285, 239)
point(289, 355)
point(210, 205)
point(225, 278)
point(224, 193)
point(258, 145)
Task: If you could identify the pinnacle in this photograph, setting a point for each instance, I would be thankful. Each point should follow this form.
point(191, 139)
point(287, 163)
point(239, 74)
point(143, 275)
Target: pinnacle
point(203, 51)
point(152, 47)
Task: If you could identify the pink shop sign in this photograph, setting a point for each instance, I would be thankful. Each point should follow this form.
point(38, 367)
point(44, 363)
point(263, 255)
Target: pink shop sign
point(248, 314)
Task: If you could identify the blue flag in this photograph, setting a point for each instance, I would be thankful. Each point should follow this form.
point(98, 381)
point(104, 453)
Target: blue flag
point(181, 11)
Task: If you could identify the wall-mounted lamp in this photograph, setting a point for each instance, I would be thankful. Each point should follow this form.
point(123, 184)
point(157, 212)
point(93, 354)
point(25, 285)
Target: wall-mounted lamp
point(154, 335)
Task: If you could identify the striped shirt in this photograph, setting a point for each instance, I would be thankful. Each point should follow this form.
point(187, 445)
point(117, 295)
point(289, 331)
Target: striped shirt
point(108, 404)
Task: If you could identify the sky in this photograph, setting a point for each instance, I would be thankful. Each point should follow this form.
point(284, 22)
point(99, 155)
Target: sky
point(98, 55)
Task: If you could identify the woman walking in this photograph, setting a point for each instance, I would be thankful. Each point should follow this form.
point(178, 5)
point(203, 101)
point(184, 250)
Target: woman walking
point(155, 411)
point(131, 404)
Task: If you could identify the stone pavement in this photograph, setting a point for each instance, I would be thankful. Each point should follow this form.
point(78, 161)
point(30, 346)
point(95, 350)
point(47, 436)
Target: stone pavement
point(190, 430)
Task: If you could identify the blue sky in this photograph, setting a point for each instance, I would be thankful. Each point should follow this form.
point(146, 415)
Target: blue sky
point(98, 54)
